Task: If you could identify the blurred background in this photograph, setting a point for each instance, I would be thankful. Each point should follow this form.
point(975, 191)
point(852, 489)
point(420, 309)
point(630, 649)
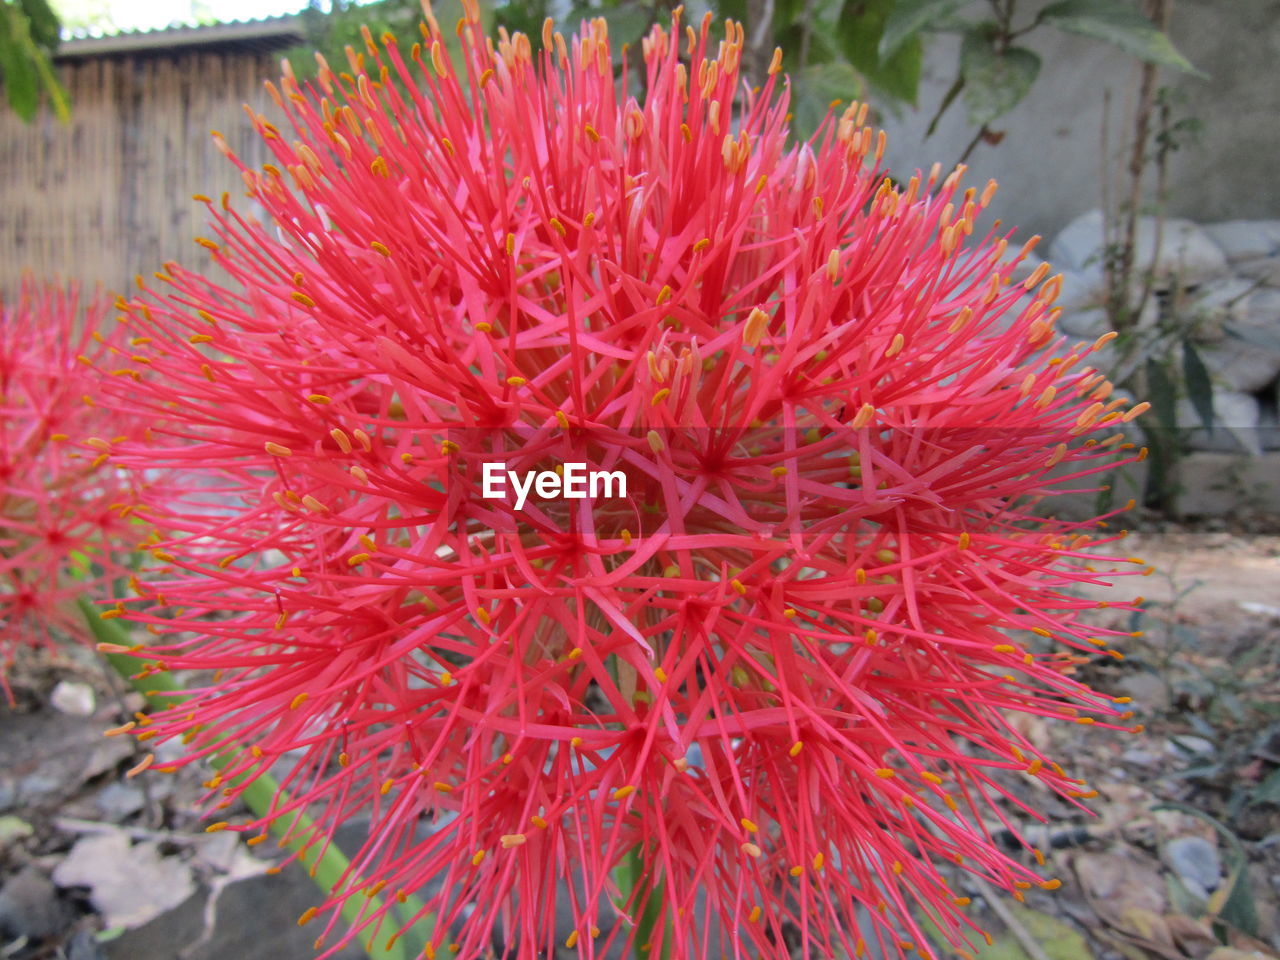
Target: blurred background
point(1048, 104)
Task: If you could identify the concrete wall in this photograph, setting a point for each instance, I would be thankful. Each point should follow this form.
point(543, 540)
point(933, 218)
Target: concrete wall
point(1050, 161)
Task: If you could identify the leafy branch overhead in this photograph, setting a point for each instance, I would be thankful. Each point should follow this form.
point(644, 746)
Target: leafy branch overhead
point(29, 33)
point(995, 73)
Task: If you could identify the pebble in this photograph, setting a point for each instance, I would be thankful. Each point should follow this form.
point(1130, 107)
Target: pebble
point(30, 907)
point(1184, 744)
point(73, 698)
point(1197, 863)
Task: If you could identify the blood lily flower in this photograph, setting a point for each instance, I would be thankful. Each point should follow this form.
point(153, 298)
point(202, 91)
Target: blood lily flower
point(64, 506)
point(779, 676)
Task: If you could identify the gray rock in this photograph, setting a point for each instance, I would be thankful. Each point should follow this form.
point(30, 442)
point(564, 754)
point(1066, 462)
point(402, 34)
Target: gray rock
point(30, 906)
point(84, 945)
point(1235, 429)
point(1025, 268)
point(1216, 304)
point(74, 698)
point(1264, 270)
point(40, 785)
point(256, 919)
point(1089, 323)
point(1240, 366)
point(1262, 309)
point(1246, 239)
point(1187, 255)
point(1079, 242)
point(1269, 422)
point(1188, 745)
point(1082, 288)
point(120, 800)
point(1197, 863)
point(1148, 690)
point(1140, 758)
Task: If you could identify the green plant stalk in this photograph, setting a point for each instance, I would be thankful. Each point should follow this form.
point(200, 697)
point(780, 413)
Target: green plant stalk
point(258, 796)
point(634, 875)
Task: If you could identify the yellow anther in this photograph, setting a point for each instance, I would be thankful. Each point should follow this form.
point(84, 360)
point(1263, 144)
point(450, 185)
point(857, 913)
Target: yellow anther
point(1038, 274)
point(754, 329)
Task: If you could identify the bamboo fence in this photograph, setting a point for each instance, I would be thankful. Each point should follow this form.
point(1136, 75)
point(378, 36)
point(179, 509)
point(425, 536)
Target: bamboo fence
point(109, 195)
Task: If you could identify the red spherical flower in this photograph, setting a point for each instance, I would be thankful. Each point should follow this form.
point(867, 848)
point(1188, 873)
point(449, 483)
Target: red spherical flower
point(64, 505)
point(780, 672)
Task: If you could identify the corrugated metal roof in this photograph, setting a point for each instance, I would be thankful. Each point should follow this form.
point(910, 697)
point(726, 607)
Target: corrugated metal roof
point(268, 33)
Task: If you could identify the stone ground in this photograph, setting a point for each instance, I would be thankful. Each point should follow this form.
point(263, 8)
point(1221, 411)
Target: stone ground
point(1181, 863)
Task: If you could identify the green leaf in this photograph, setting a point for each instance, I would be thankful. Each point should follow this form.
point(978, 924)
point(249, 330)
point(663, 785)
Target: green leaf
point(627, 23)
point(1199, 386)
point(1058, 940)
point(860, 28)
point(995, 81)
point(907, 18)
point(45, 28)
point(816, 86)
point(1268, 791)
point(1163, 395)
point(17, 72)
point(1117, 23)
point(24, 65)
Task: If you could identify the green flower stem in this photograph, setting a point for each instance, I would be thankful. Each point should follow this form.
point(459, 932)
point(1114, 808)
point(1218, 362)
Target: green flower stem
point(258, 796)
point(638, 875)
